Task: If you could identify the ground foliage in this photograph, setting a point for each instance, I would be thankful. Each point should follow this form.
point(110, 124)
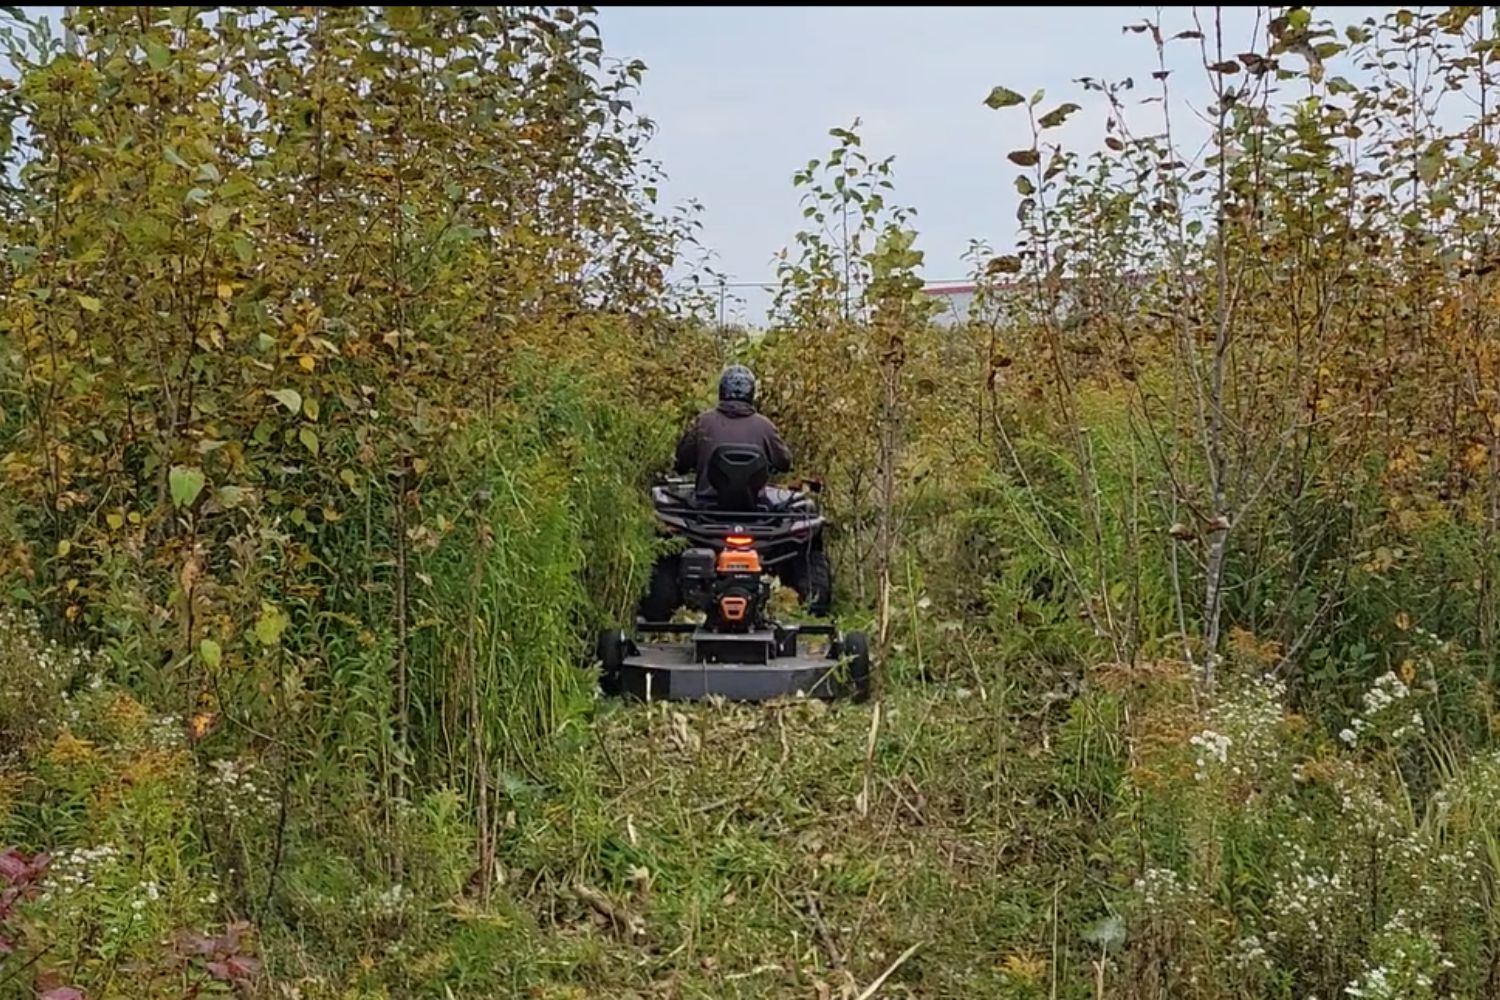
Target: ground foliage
point(337, 346)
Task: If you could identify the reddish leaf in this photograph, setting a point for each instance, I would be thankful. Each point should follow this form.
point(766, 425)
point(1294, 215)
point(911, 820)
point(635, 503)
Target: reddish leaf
point(243, 966)
point(61, 993)
point(7, 946)
point(13, 866)
point(197, 944)
point(231, 939)
point(219, 970)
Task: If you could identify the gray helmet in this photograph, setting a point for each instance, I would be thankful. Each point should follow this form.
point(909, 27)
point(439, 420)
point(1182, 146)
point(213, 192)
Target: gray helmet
point(737, 382)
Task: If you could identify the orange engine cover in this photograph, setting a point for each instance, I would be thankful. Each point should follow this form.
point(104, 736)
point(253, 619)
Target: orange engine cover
point(739, 561)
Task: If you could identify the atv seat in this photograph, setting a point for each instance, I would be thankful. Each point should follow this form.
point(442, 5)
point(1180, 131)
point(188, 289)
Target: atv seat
point(738, 474)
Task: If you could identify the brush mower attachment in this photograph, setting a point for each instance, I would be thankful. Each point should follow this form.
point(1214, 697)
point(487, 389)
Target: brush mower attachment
point(759, 664)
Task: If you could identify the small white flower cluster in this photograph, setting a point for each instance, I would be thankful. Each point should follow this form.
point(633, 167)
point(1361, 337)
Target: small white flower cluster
point(150, 892)
point(1368, 812)
point(1442, 877)
point(1381, 705)
point(1211, 746)
point(47, 663)
point(238, 792)
point(1409, 962)
point(1159, 888)
point(43, 668)
point(1248, 953)
point(165, 732)
point(383, 904)
point(1308, 900)
point(1246, 721)
point(1375, 984)
point(77, 869)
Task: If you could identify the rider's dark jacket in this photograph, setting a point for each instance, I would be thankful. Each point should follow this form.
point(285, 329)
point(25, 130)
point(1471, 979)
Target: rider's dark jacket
point(731, 422)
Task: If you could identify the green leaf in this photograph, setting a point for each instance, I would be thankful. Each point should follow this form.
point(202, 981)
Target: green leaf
point(1024, 157)
point(90, 303)
point(290, 398)
point(158, 56)
point(270, 625)
point(173, 157)
point(197, 197)
point(309, 439)
point(230, 497)
point(1024, 185)
point(210, 653)
point(1058, 115)
point(1003, 97)
point(185, 483)
point(1429, 165)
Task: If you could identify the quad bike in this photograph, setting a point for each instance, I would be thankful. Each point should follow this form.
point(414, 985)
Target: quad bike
point(784, 526)
point(747, 537)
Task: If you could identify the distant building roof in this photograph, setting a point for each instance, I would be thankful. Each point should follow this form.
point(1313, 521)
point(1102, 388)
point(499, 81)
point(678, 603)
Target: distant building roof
point(965, 288)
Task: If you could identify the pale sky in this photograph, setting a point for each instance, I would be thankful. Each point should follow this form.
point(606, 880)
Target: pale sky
point(744, 96)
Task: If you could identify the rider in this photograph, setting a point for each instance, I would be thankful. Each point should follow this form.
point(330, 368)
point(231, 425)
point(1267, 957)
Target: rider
point(733, 421)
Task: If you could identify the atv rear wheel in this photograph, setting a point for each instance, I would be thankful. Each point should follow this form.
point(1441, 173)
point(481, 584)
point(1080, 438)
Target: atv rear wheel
point(812, 579)
point(611, 651)
point(664, 593)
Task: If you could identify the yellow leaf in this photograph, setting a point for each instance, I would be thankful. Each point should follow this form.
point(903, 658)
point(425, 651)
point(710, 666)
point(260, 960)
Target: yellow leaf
point(64, 547)
point(308, 362)
point(201, 724)
point(225, 291)
point(1403, 621)
point(115, 521)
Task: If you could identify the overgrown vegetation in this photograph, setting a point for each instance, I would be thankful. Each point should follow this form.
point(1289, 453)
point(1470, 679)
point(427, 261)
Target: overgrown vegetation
point(337, 346)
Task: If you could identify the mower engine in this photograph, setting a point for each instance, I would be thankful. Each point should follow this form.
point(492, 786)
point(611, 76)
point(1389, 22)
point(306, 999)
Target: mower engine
point(727, 585)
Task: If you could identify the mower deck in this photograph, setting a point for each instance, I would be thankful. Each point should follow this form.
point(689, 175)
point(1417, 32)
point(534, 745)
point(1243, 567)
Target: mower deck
point(757, 665)
point(669, 672)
